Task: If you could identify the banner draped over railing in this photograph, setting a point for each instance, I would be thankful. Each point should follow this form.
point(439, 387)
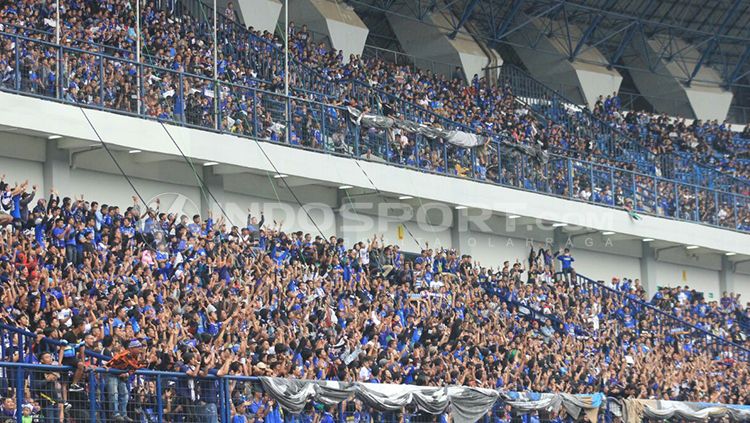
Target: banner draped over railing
point(458, 138)
point(466, 404)
point(574, 404)
point(635, 410)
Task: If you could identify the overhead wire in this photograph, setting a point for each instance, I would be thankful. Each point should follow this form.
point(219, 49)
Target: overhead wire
point(282, 177)
point(380, 193)
point(201, 182)
point(122, 172)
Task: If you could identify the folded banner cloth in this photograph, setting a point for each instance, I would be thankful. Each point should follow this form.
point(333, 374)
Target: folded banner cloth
point(467, 405)
point(458, 138)
point(635, 410)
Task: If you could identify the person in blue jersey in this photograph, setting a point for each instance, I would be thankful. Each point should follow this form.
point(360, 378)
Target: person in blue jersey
point(566, 264)
point(207, 410)
point(194, 227)
point(72, 353)
point(10, 199)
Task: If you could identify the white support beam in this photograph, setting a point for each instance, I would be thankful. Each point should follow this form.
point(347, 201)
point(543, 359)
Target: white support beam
point(56, 168)
point(229, 170)
point(146, 157)
point(294, 182)
point(75, 144)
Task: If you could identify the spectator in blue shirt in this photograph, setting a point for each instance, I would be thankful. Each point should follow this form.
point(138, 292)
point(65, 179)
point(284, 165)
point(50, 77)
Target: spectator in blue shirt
point(566, 261)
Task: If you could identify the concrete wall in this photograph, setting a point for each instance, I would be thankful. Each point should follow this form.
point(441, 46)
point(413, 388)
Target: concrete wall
point(262, 15)
point(703, 99)
point(429, 40)
point(706, 280)
point(582, 80)
point(335, 19)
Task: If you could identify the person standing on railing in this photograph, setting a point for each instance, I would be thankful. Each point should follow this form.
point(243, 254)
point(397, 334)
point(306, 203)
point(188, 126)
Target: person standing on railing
point(73, 353)
point(118, 392)
point(566, 260)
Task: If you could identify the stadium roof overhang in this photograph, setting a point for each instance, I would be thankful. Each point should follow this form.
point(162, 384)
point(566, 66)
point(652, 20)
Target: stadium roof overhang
point(720, 30)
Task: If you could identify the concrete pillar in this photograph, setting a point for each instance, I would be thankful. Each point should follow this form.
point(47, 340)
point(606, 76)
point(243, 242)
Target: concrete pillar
point(56, 168)
point(460, 232)
point(429, 40)
point(665, 88)
point(337, 214)
point(649, 279)
point(582, 79)
point(334, 19)
point(215, 184)
point(560, 239)
point(726, 276)
point(262, 15)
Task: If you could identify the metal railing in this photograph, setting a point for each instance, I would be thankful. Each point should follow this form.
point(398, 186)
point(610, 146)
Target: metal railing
point(40, 393)
point(611, 141)
point(413, 62)
point(699, 338)
point(82, 78)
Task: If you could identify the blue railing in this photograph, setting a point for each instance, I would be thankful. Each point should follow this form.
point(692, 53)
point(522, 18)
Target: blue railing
point(701, 339)
point(95, 80)
point(614, 143)
point(167, 396)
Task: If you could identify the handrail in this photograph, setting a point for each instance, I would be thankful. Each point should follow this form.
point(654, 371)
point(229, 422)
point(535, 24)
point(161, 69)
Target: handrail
point(65, 37)
point(501, 136)
point(411, 57)
point(663, 313)
point(52, 341)
point(633, 142)
point(156, 407)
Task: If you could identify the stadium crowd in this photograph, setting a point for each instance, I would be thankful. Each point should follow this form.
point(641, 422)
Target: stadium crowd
point(178, 86)
point(193, 295)
point(175, 41)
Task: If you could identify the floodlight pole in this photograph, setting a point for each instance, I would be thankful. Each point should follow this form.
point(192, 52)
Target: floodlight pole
point(138, 31)
point(217, 92)
point(57, 22)
point(286, 48)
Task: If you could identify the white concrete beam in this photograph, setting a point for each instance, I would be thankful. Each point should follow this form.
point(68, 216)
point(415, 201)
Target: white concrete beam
point(224, 169)
point(74, 144)
point(262, 15)
point(145, 157)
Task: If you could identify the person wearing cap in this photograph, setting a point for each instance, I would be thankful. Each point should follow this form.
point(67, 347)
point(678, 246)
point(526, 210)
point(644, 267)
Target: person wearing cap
point(125, 363)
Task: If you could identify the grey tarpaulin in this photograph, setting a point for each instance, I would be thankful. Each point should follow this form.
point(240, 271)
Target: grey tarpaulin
point(470, 404)
point(635, 410)
point(293, 394)
point(573, 404)
point(458, 138)
point(524, 404)
point(466, 405)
